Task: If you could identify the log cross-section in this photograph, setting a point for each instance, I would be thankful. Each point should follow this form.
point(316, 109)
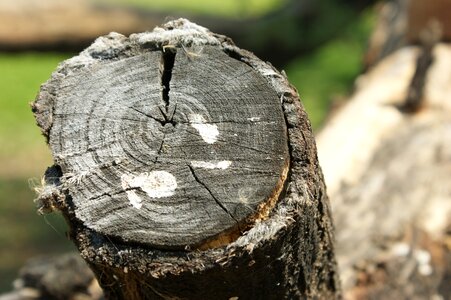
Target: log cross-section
point(178, 144)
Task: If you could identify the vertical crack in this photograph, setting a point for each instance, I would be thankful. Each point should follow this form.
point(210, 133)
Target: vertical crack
point(211, 194)
point(160, 149)
point(166, 65)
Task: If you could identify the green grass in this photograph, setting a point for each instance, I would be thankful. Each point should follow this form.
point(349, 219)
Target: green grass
point(227, 8)
point(329, 72)
point(23, 154)
point(21, 144)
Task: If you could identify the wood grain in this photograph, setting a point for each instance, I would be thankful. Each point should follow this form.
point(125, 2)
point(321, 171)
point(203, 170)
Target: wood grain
point(186, 168)
point(167, 146)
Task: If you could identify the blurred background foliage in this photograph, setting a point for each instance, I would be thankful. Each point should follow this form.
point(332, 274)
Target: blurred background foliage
point(228, 8)
point(321, 49)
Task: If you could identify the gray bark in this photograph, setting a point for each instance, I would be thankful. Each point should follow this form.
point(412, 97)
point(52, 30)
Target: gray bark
point(186, 168)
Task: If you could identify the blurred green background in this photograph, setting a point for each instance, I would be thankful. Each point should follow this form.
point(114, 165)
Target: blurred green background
point(322, 55)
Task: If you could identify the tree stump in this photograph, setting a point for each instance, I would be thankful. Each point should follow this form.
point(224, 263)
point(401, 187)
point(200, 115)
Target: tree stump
point(186, 169)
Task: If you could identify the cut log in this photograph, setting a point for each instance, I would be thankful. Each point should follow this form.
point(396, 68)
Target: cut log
point(186, 168)
point(390, 191)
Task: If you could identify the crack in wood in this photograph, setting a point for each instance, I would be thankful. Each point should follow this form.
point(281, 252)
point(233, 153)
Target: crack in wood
point(104, 194)
point(115, 193)
point(152, 120)
point(211, 193)
point(165, 116)
point(166, 66)
point(144, 163)
point(162, 122)
point(160, 149)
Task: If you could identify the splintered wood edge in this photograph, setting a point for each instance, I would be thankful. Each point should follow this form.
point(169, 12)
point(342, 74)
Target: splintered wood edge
point(263, 210)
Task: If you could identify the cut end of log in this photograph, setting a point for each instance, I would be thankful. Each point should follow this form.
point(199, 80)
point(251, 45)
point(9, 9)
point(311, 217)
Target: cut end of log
point(187, 169)
point(164, 138)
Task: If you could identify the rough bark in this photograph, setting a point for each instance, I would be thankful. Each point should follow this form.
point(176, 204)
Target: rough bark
point(389, 190)
point(186, 168)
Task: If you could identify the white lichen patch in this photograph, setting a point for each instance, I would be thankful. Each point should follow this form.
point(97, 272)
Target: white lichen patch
point(208, 132)
point(254, 119)
point(134, 199)
point(156, 184)
point(223, 164)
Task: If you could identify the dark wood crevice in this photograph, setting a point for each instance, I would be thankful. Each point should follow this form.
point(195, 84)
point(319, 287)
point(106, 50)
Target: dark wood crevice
point(166, 66)
point(198, 180)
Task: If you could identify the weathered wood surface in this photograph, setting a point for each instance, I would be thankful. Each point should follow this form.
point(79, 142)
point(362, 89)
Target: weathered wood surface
point(390, 191)
point(168, 147)
point(172, 150)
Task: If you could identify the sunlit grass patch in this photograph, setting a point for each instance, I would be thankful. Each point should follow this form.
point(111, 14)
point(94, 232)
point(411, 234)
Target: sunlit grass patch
point(21, 144)
point(228, 8)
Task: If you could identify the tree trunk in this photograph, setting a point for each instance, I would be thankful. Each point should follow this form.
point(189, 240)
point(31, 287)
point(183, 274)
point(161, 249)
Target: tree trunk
point(186, 169)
